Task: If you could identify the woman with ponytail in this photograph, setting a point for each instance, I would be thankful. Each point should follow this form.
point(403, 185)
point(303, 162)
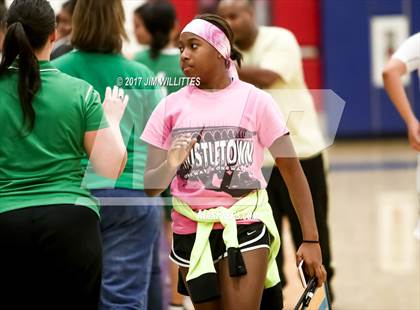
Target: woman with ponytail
point(130, 224)
point(49, 238)
point(207, 142)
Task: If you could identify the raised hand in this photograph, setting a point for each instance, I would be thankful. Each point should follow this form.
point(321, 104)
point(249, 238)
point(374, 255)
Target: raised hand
point(114, 104)
point(179, 150)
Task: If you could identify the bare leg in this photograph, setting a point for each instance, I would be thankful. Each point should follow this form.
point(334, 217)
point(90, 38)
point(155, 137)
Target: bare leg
point(211, 305)
point(245, 292)
point(176, 298)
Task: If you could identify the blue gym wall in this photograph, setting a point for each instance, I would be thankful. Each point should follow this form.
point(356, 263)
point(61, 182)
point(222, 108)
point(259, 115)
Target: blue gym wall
point(347, 65)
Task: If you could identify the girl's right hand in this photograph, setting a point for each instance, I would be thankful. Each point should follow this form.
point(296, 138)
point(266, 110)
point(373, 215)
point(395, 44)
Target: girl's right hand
point(179, 150)
point(114, 104)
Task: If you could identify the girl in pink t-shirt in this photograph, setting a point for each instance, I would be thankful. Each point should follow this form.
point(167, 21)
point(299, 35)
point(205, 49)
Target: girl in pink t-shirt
point(207, 141)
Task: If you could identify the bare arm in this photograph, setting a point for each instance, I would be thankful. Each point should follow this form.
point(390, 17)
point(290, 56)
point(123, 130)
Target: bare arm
point(261, 78)
point(392, 74)
point(105, 147)
point(162, 165)
point(300, 194)
point(158, 174)
point(106, 151)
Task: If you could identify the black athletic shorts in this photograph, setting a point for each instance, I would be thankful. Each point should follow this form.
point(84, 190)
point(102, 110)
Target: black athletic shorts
point(250, 237)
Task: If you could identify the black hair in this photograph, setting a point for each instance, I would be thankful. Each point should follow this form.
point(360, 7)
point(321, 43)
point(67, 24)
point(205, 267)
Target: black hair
point(222, 24)
point(29, 24)
point(159, 18)
point(3, 11)
point(69, 6)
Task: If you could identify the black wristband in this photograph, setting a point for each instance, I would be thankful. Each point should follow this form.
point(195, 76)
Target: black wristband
point(310, 241)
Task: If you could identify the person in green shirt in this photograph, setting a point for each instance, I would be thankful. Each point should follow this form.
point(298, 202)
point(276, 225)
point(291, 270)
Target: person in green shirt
point(130, 223)
point(49, 237)
point(155, 25)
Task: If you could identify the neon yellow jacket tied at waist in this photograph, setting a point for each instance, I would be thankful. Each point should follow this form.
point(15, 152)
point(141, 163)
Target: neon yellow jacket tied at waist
point(255, 203)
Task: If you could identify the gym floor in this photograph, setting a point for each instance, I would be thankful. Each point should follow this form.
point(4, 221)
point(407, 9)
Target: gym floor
point(372, 215)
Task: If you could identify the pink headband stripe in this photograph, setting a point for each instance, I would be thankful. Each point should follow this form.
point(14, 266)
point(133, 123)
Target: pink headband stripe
point(211, 34)
point(215, 37)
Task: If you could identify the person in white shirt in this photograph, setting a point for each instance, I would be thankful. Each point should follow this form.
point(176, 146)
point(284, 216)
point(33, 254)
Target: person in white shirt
point(405, 60)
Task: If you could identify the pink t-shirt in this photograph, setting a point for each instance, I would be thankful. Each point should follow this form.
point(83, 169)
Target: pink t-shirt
point(232, 127)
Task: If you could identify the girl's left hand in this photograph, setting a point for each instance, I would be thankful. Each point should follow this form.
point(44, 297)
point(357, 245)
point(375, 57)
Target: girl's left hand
point(311, 254)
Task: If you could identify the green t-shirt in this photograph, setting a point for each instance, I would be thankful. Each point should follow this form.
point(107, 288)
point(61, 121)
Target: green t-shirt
point(44, 167)
point(102, 70)
point(166, 65)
